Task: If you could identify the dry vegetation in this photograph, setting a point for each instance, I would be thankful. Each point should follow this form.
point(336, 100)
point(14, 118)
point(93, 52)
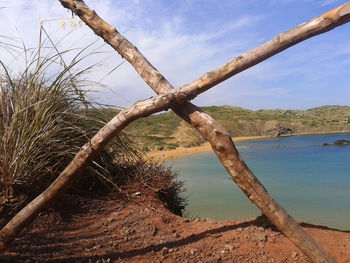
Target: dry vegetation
point(43, 123)
point(32, 155)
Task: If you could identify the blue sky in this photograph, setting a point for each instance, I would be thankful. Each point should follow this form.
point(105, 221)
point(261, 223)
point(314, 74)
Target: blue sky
point(184, 39)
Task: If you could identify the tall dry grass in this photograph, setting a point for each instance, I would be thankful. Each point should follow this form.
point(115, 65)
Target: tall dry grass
point(43, 123)
point(45, 117)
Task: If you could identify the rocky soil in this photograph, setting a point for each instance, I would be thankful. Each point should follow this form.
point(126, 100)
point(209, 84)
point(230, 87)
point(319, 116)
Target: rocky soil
point(138, 228)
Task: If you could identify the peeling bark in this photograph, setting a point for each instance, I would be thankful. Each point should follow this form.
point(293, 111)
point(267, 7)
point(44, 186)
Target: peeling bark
point(219, 139)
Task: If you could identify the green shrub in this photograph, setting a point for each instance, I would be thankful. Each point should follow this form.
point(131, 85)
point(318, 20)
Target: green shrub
point(240, 126)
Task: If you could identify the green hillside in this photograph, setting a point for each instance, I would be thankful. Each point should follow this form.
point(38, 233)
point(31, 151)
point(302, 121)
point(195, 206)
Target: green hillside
point(168, 131)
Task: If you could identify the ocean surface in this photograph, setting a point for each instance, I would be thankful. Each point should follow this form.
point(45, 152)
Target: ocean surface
point(311, 181)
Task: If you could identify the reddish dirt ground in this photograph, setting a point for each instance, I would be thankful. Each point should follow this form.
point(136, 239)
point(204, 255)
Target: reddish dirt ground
point(133, 228)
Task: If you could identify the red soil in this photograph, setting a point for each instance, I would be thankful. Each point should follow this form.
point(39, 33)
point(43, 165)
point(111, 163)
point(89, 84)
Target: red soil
point(141, 229)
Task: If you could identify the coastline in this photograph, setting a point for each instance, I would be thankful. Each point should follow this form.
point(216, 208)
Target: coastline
point(167, 155)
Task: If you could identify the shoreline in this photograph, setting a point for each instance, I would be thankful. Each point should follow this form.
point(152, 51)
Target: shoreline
point(168, 155)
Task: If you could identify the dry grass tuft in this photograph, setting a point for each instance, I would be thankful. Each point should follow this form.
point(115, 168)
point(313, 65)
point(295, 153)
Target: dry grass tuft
point(45, 117)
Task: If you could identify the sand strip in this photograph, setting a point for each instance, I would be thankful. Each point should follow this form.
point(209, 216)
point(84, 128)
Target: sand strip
point(183, 151)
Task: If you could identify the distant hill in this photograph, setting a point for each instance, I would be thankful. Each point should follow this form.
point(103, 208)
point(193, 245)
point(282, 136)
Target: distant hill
point(168, 131)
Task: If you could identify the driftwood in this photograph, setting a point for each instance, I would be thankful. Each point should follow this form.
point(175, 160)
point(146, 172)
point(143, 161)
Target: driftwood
point(217, 136)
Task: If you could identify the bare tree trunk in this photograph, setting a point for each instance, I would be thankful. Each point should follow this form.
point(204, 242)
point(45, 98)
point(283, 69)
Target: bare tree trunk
point(219, 138)
point(216, 135)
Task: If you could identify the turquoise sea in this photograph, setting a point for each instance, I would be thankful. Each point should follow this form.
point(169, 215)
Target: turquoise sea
point(311, 181)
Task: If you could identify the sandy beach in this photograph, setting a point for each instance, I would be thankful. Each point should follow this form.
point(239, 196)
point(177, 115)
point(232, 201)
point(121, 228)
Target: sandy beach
point(167, 155)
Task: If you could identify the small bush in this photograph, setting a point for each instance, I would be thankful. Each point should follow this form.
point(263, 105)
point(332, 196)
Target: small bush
point(240, 126)
point(43, 123)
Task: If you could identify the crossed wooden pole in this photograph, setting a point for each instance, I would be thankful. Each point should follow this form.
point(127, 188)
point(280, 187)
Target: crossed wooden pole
point(178, 100)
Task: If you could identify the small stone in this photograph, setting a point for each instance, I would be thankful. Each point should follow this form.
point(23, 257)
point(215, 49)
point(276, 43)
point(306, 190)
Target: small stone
point(137, 194)
point(229, 247)
point(225, 251)
point(193, 251)
point(165, 250)
point(261, 237)
point(236, 245)
point(294, 254)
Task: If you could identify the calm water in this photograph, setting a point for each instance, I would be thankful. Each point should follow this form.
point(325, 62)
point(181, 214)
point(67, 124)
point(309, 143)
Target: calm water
point(310, 181)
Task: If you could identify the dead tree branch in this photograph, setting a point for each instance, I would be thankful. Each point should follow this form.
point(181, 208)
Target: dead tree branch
point(156, 81)
point(76, 167)
point(217, 136)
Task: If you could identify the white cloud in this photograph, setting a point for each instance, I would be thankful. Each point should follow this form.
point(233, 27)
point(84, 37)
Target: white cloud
point(179, 52)
point(180, 55)
point(331, 2)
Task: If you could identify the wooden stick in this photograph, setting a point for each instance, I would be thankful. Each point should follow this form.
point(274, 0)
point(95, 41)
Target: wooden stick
point(155, 80)
point(190, 113)
point(216, 135)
